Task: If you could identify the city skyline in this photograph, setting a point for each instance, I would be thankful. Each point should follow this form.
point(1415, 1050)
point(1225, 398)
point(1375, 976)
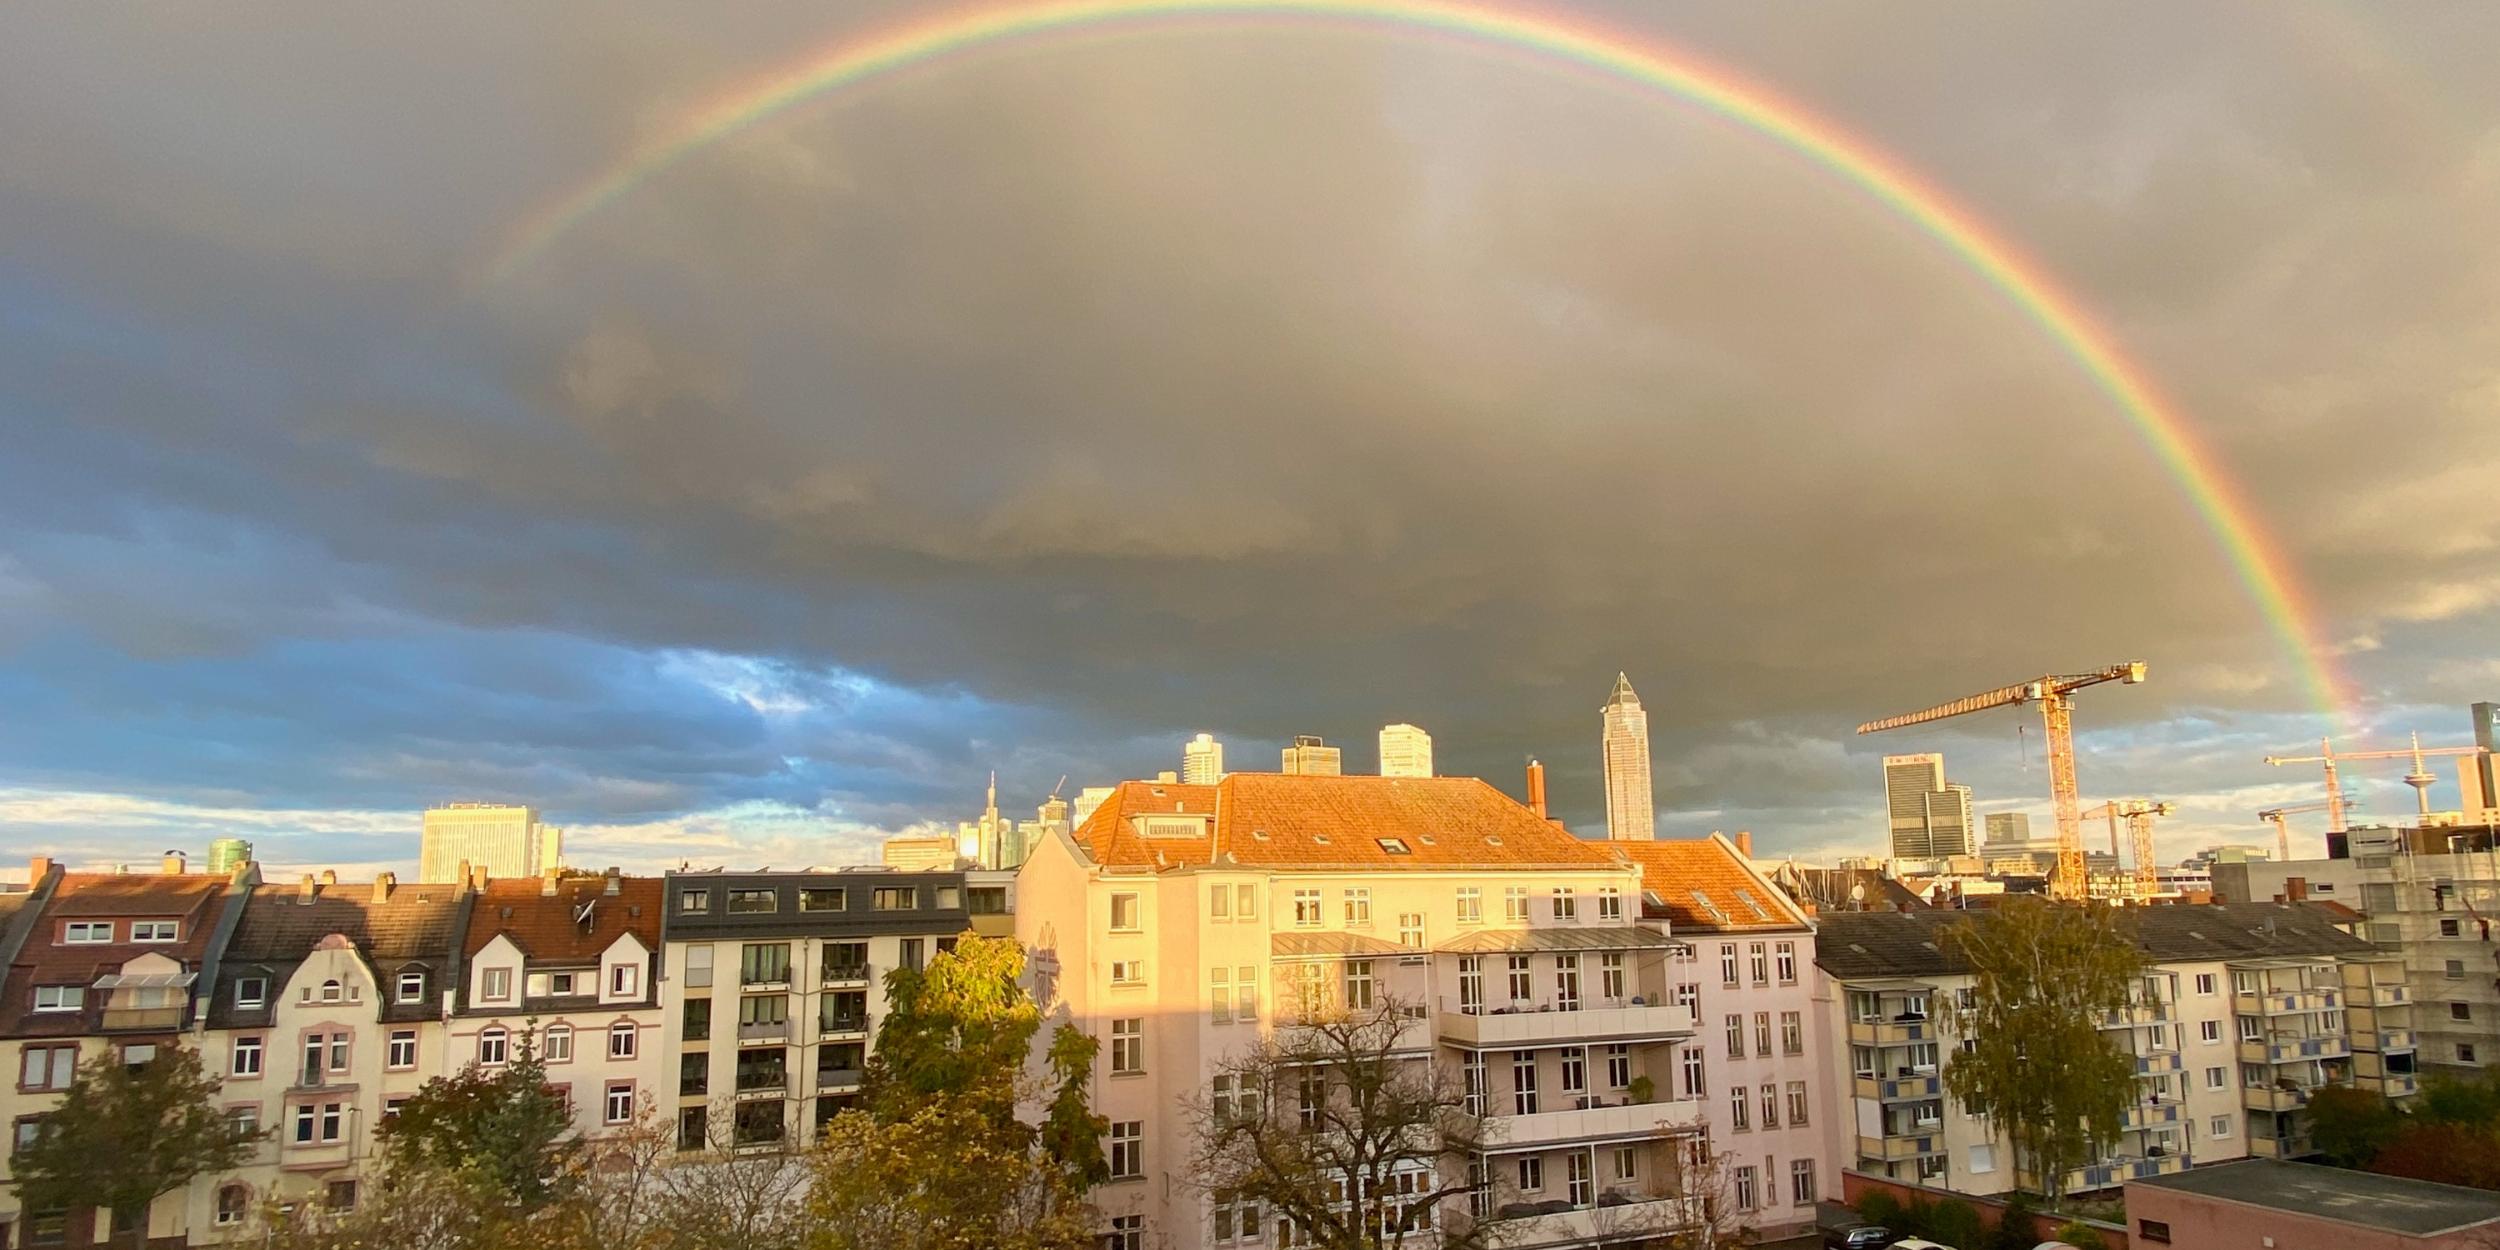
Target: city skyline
point(1262, 383)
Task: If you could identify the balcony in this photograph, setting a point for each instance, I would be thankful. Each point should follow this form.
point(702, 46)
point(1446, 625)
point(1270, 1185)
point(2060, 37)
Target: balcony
point(2158, 1063)
point(764, 1031)
point(1624, 1217)
point(2137, 1016)
point(837, 1080)
point(1892, 1032)
point(1595, 1123)
point(2293, 1050)
point(2110, 1174)
point(2280, 1147)
point(2391, 1084)
point(842, 1028)
point(1499, 1029)
point(2381, 994)
point(2152, 1115)
point(1893, 1148)
point(2275, 1098)
point(142, 1019)
point(2383, 1041)
point(2288, 1002)
point(1900, 1088)
point(847, 974)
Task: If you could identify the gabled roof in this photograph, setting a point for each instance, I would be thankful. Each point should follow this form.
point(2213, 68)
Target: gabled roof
point(550, 928)
point(415, 922)
point(1346, 823)
point(1853, 945)
point(142, 895)
point(1702, 883)
point(193, 900)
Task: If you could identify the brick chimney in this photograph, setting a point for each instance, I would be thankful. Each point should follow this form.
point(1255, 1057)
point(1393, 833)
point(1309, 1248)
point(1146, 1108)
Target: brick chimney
point(1744, 843)
point(383, 882)
point(329, 876)
point(37, 869)
point(304, 890)
point(1536, 786)
point(2295, 889)
point(616, 883)
point(547, 882)
point(175, 863)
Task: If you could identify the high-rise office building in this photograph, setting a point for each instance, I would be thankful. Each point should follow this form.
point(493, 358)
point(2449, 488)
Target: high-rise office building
point(505, 839)
point(1927, 818)
point(2008, 828)
point(227, 854)
point(1405, 751)
point(1631, 806)
point(1087, 800)
point(1310, 757)
point(992, 841)
point(1202, 761)
point(2478, 776)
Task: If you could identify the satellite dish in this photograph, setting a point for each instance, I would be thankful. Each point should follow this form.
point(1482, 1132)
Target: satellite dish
point(1857, 893)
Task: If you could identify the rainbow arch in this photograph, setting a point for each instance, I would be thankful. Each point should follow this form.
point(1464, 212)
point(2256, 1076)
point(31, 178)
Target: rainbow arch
point(2236, 527)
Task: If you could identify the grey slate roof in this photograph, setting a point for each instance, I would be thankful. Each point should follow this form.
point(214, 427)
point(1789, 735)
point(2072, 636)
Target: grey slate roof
point(2394, 1203)
point(1853, 945)
point(418, 928)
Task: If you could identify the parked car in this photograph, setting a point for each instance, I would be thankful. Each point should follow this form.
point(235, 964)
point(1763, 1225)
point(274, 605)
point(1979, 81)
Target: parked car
point(1862, 1237)
point(1918, 1243)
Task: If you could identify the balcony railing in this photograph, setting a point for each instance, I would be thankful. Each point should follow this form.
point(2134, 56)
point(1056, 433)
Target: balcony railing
point(1900, 1088)
point(2383, 1041)
point(2109, 1173)
point(2391, 1084)
point(1892, 1032)
point(1617, 1120)
point(834, 1026)
point(2275, 1098)
point(1892, 1148)
point(2288, 1002)
point(2281, 1147)
point(2137, 1015)
point(1614, 1216)
point(2152, 1115)
point(2158, 1063)
point(764, 1031)
point(849, 974)
point(2381, 994)
point(152, 1019)
point(834, 1080)
point(2293, 1050)
point(1659, 1021)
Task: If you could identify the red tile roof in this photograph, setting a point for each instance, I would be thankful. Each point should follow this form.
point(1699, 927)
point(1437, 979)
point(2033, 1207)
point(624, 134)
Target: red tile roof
point(1275, 820)
point(1698, 883)
point(545, 928)
point(194, 900)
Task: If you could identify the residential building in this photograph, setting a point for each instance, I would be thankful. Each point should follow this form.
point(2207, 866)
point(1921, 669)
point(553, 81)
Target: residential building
point(1929, 818)
point(2267, 1202)
point(325, 1012)
point(1310, 757)
point(2427, 897)
point(1745, 968)
point(568, 966)
point(1183, 923)
point(1405, 751)
point(1202, 761)
point(773, 988)
point(2245, 1011)
point(1623, 741)
point(99, 963)
point(507, 840)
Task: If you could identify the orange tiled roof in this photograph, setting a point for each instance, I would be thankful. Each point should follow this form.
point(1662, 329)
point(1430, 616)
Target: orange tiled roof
point(1275, 820)
point(542, 925)
point(1686, 872)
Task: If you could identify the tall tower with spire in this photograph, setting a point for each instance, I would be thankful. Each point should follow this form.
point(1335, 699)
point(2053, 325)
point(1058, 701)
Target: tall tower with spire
point(1631, 806)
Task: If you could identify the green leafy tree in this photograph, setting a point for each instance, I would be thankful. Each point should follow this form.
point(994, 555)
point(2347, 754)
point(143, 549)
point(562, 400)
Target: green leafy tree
point(2039, 1066)
point(506, 1125)
point(123, 1136)
point(2081, 1236)
point(1954, 1222)
point(2450, 1154)
point(946, 1177)
point(2470, 1100)
point(2350, 1126)
point(2014, 1226)
point(963, 1026)
point(1071, 1132)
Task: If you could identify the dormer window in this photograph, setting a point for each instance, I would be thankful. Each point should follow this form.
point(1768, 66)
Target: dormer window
point(155, 931)
point(624, 981)
point(412, 987)
point(87, 933)
point(251, 991)
point(332, 991)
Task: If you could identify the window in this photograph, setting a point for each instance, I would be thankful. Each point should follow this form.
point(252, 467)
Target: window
point(1688, 997)
point(412, 987)
point(1246, 995)
point(251, 991)
point(1470, 905)
point(1627, 1162)
point(2218, 1078)
point(1747, 1198)
point(764, 963)
point(60, 997)
point(1128, 1150)
point(1531, 1175)
point(695, 1023)
point(2209, 1030)
point(1219, 992)
point(1575, 1070)
point(911, 957)
point(1565, 906)
point(1236, 1219)
point(1471, 983)
point(1128, 972)
point(1689, 1060)
point(894, 898)
point(620, 1105)
point(154, 930)
point(694, 902)
point(2205, 984)
point(332, 991)
point(1727, 964)
point(1609, 903)
point(402, 1051)
point(1220, 903)
point(2456, 969)
point(1128, 1232)
point(1761, 965)
point(1124, 913)
point(1306, 909)
point(493, 1046)
point(1245, 902)
point(1770, 1106)
point(49, 1067)
point(1523, 1082)
point(1610, 976)
point(1515, 904)
point(497, 985)
point(2460, 1011)
point(1358, 907)
point(2465, 1052)
point(623, 1040)
point(986, 900)
point(1566, 982)
point(244, 1119)
point(1521, 987)
point(1762, 1033)
point(1792, 1033)
point(1785, 955)
point(1358, 984)
point(2252, 1028)
point(1739, 1109)
point(1735, 1037)
point(1618, 1066)
point(333, 1120)
point(693, 1128)
point(1801, 1182)
point(233, 1202)
point(1128, 1046)
point(2220, 1127)
point(1796, 1104)
point(247, 1056)
point(2155, 1231)
point(87, 932)
point(753, 902)
point(1411, 930)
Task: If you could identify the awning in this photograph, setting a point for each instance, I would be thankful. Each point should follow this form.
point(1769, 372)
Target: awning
point(1334, 946)
point(145, 980)
point(1516, 941)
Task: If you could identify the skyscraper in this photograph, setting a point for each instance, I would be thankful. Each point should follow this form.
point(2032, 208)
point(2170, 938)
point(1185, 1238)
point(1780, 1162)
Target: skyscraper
point(1631, 806)
point(1310, 757)
point(1405, 751)
point(1928, 819)
point(1202, 761)
point(504, 839)
point(2008, 828)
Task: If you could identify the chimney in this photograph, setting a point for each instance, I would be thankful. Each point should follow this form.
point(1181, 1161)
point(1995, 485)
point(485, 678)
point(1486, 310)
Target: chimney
point(329, 876)
point(1744, 843)
point(1536, 786)
point(547, 882)
point(175, 863)
point(2296, 889)
point(37, 869)
point(304, 890)
point(615, 885)
point(383, 882)
point(477, 878)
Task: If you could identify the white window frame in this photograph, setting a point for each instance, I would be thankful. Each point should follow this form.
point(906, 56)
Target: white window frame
point(624, 1041)
point(85, 933)
point(155, 931)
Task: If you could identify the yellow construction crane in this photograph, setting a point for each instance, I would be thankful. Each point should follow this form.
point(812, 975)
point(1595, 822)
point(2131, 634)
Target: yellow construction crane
point(2420, 778)
point(2052, 693)
point(2282, 828)
point(2139, 814)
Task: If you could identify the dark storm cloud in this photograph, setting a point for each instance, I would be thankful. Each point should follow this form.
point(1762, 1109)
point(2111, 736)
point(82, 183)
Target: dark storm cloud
point(1074, 399)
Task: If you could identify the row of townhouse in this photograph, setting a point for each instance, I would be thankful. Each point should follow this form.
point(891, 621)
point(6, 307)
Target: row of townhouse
point(737, 1007)
point(2246, 1010)
point(1555, 981)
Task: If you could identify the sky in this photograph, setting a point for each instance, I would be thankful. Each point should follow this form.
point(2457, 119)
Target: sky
point(1033, 409)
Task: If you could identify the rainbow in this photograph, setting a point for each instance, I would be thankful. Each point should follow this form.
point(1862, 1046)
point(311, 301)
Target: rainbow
point(2262, 569)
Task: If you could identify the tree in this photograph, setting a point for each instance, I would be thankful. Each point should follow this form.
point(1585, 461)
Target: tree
point(963, 1026)
point(2451, 1154)
point(415, 1206)
point(2471, 1099)
point(2352, 1125)
point(509, 1125)
point(125, 1135)
point(1706, 1217)
point(944, 1178)
point(2036, 1062)
point(1334, 1105)
point(1071, 1132)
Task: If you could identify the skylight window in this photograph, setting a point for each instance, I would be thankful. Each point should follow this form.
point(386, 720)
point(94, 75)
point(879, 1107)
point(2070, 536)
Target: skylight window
point(1394, 846)
point(1703, 901)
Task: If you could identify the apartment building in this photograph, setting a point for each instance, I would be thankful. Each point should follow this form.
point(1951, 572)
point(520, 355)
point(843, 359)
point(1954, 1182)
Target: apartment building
point(1746, 970)
point(326, 1010)
point(1181, 923)
point(571, 964)
point(2427, 896)
point(772, 988)
point(99, 963)
point(2246, 1010)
